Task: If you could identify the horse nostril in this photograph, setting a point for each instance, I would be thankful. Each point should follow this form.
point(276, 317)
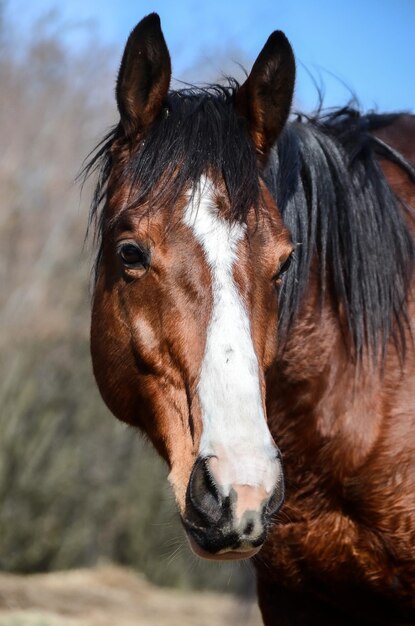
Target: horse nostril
point(202, 494)
point(276, 501)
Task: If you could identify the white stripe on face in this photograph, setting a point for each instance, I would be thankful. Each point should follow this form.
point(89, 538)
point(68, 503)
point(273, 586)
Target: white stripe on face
point(234, 424)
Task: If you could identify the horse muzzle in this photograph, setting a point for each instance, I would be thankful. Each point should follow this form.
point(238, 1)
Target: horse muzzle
point(228, 522)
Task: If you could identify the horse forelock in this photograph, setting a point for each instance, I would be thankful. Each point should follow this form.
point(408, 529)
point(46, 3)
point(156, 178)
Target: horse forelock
point(198, 132)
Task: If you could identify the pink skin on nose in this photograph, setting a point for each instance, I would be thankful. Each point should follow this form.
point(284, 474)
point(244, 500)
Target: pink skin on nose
point(259, 474)
point(248, 499)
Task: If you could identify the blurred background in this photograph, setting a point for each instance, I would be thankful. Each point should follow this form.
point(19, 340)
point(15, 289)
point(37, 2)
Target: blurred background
point(76, 487)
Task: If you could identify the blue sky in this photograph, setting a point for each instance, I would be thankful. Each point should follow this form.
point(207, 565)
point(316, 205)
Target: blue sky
point(366, 44)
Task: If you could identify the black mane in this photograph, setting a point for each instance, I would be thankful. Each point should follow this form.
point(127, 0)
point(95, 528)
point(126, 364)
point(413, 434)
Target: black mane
point(329, 187)
point(325, 175)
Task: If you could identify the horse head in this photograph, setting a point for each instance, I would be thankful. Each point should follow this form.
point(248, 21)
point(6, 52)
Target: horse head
point(185, 311)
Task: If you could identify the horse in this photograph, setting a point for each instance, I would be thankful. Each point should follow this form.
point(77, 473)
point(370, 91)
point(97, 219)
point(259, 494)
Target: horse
point(252, 314)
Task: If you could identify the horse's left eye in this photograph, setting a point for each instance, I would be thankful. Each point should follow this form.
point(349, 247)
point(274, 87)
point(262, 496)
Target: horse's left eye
point(134, 256)
point(285, 266)
point(283, 269)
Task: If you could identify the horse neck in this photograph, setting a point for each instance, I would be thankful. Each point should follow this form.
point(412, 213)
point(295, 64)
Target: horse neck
point(318, 397)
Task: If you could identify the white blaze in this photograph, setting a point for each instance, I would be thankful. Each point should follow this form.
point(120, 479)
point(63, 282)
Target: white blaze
point(234, 423)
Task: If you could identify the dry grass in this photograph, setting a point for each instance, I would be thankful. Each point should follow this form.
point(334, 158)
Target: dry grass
point(112, 596)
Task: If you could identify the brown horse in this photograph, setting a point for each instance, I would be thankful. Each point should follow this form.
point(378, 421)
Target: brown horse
point(254, 288)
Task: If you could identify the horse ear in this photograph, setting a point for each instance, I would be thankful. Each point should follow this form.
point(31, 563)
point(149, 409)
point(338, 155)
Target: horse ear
point(265, 97)
point(144, 76)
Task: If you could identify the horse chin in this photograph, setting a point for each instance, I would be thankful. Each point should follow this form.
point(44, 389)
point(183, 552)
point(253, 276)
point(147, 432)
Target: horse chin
point(223, 555)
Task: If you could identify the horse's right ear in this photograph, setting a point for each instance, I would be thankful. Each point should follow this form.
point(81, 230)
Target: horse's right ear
point(144, 76)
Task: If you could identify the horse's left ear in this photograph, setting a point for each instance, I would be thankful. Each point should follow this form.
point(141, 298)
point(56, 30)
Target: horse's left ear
point(144, 76)
point(265, 97)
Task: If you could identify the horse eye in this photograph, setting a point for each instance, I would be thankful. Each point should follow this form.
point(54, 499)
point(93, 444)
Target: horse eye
point(133, 256)
point(285, 266)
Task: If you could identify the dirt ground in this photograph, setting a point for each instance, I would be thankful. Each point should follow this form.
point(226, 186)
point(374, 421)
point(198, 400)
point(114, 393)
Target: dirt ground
point(112, 596)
